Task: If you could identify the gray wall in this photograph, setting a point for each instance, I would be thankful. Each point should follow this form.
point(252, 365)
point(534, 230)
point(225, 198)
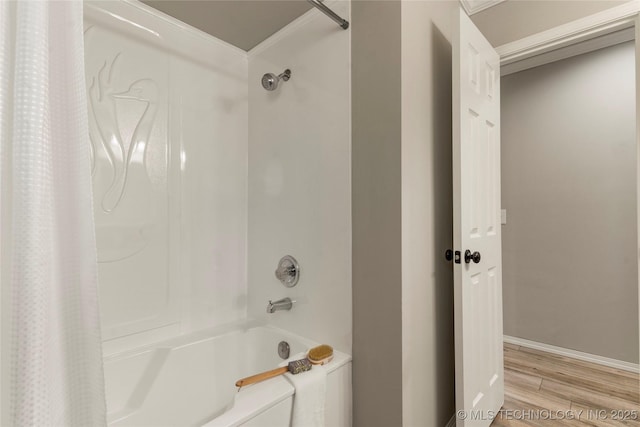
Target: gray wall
point(377, 255)
point(403, 370)
point(569, 186)
point(402, 205)
point(427, 214)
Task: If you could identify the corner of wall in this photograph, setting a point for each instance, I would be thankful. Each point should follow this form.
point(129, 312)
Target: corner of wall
point(427, 211)
point(376, 212)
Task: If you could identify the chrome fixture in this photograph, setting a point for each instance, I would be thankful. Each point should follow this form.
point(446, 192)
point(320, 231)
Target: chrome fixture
point(281, 304)
point(284, 350)
point(344, 24)
point(288, 271)
point(270, 81)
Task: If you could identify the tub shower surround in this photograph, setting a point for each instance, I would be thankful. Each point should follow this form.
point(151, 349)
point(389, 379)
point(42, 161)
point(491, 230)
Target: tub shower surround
point(168, 134)
point(173, 114)
point(300, 176)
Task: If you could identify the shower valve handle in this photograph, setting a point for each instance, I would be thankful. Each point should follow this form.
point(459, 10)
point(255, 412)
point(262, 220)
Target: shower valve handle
point(288, 271)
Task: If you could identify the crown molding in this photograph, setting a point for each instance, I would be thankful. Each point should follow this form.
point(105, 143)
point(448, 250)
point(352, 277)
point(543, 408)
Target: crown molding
point(475, 6)
point(606, 22)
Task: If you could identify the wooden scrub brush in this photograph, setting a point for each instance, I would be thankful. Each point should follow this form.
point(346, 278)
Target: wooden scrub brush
point(320, 355)
point(316, 356)
point(295, 367)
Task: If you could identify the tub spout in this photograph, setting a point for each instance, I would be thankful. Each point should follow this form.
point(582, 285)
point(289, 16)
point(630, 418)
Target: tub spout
point(281, 304)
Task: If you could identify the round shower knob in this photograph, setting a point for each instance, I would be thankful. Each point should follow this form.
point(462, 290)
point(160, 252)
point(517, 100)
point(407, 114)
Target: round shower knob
point(288, 271)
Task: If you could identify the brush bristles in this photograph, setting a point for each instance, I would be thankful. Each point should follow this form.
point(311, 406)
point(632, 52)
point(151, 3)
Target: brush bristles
point(321, 352)
point(298, 366)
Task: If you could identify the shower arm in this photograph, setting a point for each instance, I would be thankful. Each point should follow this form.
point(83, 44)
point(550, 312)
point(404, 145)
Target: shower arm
point(330, 13)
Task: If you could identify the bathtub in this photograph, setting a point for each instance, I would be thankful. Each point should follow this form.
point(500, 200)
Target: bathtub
point(189, 381)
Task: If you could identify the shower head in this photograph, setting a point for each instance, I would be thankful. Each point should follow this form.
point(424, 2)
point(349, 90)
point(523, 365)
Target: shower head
point(270, 81)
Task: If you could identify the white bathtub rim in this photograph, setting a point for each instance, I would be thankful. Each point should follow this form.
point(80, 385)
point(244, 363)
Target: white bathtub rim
point(257, 398)
point(250, 402)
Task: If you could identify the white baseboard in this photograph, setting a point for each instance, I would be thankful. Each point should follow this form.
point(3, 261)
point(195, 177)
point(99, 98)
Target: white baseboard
point(452, 422)
point(600, 360)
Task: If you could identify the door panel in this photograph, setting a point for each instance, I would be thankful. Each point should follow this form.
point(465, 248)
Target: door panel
point(476, 179)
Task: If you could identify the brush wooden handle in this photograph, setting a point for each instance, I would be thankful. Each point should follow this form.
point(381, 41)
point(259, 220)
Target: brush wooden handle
point(262, 376)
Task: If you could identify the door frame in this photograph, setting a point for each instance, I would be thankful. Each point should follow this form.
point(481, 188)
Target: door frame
point(611, 26)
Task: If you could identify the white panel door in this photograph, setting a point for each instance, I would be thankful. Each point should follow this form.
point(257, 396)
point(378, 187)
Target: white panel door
point(476, 206)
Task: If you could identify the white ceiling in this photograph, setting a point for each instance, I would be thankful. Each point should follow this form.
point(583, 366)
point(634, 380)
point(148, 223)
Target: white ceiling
point(243, 23)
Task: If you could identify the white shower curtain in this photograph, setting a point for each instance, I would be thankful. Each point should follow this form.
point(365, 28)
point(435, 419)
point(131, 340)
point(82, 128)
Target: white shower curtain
point(56, 376)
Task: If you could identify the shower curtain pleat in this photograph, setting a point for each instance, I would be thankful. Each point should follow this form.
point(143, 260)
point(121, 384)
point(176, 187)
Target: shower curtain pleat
point(56, 348)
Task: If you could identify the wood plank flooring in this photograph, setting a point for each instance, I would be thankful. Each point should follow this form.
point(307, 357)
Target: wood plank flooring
point(537, 384)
